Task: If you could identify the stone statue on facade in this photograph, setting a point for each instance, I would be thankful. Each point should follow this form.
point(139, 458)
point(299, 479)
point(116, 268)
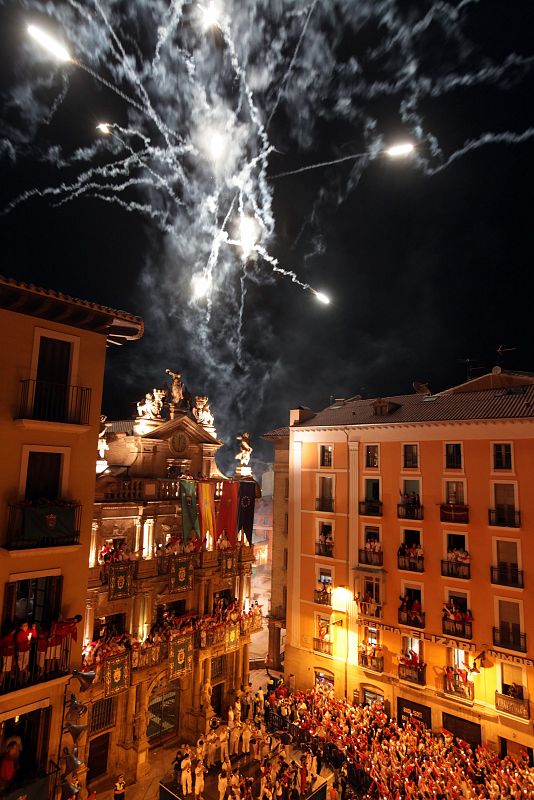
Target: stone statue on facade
point(205, 699)
point(202, 413)
point(177, 387)
point(245, 449)
point(151, 406)
point(102, 445)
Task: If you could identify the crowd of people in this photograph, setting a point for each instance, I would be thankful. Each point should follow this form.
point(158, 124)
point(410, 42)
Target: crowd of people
point(373, 754)
point(204, 627)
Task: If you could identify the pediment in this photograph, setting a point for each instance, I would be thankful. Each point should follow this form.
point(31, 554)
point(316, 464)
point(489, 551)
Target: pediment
point(182, 424)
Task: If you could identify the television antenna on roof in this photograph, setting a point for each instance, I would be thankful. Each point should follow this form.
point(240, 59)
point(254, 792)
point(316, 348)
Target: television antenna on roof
point(470, 364)
point(502, 349)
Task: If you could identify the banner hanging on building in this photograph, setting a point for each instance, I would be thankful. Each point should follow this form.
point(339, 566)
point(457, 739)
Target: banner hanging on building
point(188, 496)
point(232, 637)
point(206, 503)
point(180, 656)
point(120, 584)
point(228, 563)
point(117, 674)
point(247, 498)
point(227, 516)
point(180, 574)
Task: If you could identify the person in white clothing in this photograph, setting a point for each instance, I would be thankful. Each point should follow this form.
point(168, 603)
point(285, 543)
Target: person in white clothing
point(245, 739)
point(235, 735)
point(200, 769)
point(187, 778)
point(222, 784)
point(223, 742)
point(212, 741)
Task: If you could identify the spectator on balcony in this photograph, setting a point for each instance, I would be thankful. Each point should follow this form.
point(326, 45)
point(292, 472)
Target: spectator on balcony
point(223, 542)
point(449, 679)
point(23, 639)
point(8, 768)
point(7, 651)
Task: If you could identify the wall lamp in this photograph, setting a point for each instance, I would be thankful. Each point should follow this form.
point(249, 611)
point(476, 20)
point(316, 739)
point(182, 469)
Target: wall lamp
point(474, 670)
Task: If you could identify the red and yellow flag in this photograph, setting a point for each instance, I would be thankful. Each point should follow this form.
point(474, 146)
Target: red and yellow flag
point(227, 516)
point(206, 503)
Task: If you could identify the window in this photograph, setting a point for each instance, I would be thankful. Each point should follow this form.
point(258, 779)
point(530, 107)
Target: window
point(371, 534)
point(512, 681)
point(371, 594)
point(285, 557)
point(327, 453)
point(507, 553)
point(326, 486)
point(43, 476)
point(411, 538)
point(454, 493)
point(325, 540)
point(325, 577)
point(411, 490)
point(459, 658)
point(103, 714)
point(53, 377)
point(372, 489)
point(458, 600)
point(504, 496)
point(502, 456)
point(218, 666)
point(371, 456)
point(286, 488)
point(411, 645)
point(33, 600)
point(455, 541)
point(453, 456)
point(410, 456)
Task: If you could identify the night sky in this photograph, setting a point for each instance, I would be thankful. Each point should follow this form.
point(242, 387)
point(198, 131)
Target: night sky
point(427, 261)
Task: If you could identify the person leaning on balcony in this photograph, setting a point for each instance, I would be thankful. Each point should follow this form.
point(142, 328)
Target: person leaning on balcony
point(449, 679)
point(23, 640)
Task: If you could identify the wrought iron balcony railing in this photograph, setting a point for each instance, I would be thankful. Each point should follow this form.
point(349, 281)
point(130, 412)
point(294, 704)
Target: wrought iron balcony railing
point(373, 558)
point(324, 598)
point(47, 525)
point(504, 517)
point(509, 636)
point(455, 686)
point(454, 512)
point(410, 511)
point(505, 574)
point(414, 674)
point(54, 402)
point(370, 508)
point(512, 705)
point(324, 647)
point(376, 663)
point(42, 662)
point(456, 569)
point(325, 549)
point(411, 563)
point(461, 628)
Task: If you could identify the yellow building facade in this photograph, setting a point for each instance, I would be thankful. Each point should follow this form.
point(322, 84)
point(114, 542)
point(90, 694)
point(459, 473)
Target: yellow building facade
point(410, 559)
point(52, 366)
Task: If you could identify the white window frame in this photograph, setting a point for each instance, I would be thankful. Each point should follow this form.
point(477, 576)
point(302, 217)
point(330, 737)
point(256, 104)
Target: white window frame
point(40, 448)
point(514, 483)
point(450, 479)
point(372, 478)
point(364, 464)
point(321, 445)
point(446, 534)
point(493, 470)
point(46, 333)
point(320, 522)
point(412, 477)
point(409, 528)
point(457, 591)
point(327, 568)
point(411, 470)
point(406, 584)
point(505, 599)
point(318, 486)
point(524, 679)
point(517, 543)
point(368, 525)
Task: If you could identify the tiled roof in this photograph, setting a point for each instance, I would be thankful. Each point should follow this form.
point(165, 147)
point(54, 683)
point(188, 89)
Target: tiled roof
point(516, 403)
point(276, 433)
point(121, 426)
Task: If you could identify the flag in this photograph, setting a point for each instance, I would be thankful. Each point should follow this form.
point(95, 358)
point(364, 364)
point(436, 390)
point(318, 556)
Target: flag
point(180, 656)
point(117, 676)
point(247, 496)
point(180, 574)
point(227, 516)
point(188, 496)
point(206, 502)
point(120, 583)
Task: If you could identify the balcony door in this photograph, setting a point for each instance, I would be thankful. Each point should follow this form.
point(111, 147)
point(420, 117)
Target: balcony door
point(509, 623)
point(504, 497)
point(43, 476)
point(507, 554)
point(53, 378)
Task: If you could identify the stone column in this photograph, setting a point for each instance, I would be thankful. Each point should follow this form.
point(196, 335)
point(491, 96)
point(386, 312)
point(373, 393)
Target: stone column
point(141, 723)
point(210, 596)
point(137, 539)
point(137, 623)
point(198, 671)
point(93, 554)
point(89, 618)
point(147, 613)
point(237, 669)
point(245, 664)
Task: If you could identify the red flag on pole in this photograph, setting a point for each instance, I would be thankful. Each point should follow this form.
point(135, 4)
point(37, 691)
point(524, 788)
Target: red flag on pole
point(227, 516)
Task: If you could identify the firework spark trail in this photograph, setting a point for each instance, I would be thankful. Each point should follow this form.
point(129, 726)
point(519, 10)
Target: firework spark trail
point(320, 165)
point(507, 137)
point(240, 316)
point(139, 208)
point(59, 99)
point(291, 64)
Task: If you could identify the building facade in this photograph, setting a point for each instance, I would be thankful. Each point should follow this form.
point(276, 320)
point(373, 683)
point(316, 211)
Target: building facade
point(52, 366)
point(176, 631)
point(409, 562)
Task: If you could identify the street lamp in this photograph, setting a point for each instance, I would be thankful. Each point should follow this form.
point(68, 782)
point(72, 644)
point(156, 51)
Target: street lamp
point(341, 597)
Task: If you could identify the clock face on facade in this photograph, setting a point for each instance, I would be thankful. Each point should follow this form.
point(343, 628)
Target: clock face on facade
point(179, 442)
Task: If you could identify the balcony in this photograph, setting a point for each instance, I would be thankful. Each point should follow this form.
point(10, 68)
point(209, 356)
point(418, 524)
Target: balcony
point(462, 628)
point(245, 553)
point(414, 674)
point(150, 656)
point(370, 508)
point(411, 563)
point(374, 663)
point(324, 647)
point(324, 504)
point(43, 525)
point(410, 511)
point(509, 636)
point(504, 517)
point(456, 569)
point(54, 402)
point(507, 575)
point(512, 705)
point(455, 686)
point(41, 666)
point(207, 637)
point(325, 549)
point(372, 558)
point(368, 608)
point(413, 619)
point(454, 512)
point(322, 596)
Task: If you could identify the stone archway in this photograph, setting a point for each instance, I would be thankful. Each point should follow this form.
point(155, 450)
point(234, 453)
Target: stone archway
point(163, 706)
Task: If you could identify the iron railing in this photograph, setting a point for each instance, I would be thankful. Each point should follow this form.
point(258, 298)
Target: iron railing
point(370, 508)
point(325, 549)
point(324, 598)
point(373, 558)
point(376, 663)
point(44, 661)
point(454, 686)
point(510, 636)
point(512, 705)
point(54, 402)
point(415, 620)
point(507, 575)
point(321, 646)
point(504, 517)
point(44, 525)
point(455, 569)
point(413, 674)
point(461, 628)
point(411, 563)
point(150, 656)
point(410, 511)
point(454, 512)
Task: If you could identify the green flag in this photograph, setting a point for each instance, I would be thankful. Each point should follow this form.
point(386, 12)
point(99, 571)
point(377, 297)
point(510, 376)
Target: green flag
point(190, 523)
